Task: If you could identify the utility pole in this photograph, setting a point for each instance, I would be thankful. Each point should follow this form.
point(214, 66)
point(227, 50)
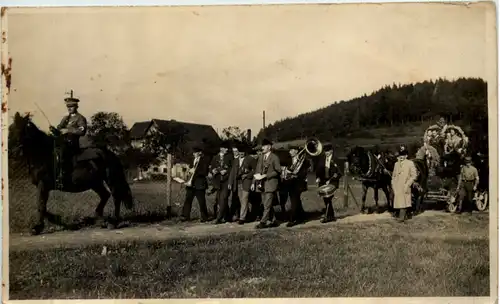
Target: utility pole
point(263, 119)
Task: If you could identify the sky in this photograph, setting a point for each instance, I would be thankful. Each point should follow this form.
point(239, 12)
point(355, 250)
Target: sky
point(224, 65)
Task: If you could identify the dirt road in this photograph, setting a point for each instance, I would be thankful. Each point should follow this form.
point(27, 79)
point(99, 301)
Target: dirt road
point(159, 232)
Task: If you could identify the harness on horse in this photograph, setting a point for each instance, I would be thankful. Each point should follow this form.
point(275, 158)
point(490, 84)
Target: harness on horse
point(372, 168)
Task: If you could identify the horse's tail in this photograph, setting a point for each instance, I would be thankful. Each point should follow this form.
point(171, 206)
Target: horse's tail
point(115, 177)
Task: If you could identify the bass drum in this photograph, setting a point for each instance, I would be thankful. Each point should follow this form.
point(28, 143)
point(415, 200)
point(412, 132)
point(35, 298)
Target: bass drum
point(326, 190)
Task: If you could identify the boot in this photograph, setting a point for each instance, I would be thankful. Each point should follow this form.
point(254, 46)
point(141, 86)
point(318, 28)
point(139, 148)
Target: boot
point(402, 215)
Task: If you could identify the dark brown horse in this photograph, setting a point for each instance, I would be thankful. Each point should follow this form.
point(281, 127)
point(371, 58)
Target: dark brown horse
point(34, 146)
point(370, 170)
point(365, 166)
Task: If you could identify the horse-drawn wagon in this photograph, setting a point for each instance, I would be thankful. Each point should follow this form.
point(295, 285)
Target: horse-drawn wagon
point(444, 151)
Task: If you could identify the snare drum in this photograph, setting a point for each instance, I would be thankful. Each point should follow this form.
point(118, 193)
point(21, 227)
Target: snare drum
point(326, 191)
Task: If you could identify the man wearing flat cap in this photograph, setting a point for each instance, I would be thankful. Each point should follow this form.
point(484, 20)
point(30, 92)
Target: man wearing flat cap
point(220, 168)
point(198, 186)
point(71, 128)
point(403, 177)
point(469, 178)
point(269, 169)
point(328, 173)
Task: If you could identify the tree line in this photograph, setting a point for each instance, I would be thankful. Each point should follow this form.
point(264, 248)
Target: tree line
point(463, 99)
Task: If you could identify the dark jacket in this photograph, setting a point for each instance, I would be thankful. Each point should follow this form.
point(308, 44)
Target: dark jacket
point(219, 180)
point(273, 172)
point(300, 182)
point(334, 169)
point(243, 174)
point(200, 174)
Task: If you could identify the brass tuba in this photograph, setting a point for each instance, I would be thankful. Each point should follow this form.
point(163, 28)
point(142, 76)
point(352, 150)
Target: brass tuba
point(313, 147)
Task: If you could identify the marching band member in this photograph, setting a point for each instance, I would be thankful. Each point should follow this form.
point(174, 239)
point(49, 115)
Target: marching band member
point(469, 180)
point(327, 172)
point(240, 181)
point(255, 197)
point(198, 186)
point(234, 209)
point(296, 185)
point(220, 168)
point(268, 166)
point(403, 176)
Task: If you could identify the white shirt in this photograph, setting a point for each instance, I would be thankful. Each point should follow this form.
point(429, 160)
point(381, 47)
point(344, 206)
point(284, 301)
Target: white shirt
point(196, 160)
point(328, 161)
point(241, 161)
point(267, 155)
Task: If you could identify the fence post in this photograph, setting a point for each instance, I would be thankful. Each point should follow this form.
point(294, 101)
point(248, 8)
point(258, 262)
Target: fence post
point(346, 184)
point(169, 185)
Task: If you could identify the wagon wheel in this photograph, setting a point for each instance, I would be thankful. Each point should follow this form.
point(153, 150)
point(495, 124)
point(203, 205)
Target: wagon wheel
point(452, 202)
point(482, 200)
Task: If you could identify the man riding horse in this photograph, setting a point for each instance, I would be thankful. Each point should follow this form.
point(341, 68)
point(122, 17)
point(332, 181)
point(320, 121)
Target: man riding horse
point(71, 128)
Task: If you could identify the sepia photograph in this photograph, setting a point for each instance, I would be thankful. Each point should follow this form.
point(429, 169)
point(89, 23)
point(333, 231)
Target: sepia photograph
point(250, 151)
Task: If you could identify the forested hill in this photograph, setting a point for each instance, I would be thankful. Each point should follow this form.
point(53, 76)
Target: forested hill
point(464, 100)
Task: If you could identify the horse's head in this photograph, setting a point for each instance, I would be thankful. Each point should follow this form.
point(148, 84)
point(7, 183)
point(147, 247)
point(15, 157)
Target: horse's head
point(358, 160)
point(23, 134)
point(389, 160)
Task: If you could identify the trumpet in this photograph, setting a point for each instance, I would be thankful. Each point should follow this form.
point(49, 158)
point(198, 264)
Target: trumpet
point(313, 147)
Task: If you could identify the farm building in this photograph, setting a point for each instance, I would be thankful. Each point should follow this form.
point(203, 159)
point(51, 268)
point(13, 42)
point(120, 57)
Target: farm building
point(191, 133)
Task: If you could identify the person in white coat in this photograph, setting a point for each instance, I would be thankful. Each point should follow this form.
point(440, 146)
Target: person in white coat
point(403, 176)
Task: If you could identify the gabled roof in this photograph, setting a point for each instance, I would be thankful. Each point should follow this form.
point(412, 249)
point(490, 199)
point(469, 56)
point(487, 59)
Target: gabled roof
point(192, 131)
point(139, 129)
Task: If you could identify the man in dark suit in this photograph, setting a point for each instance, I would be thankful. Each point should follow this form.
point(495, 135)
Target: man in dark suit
point(234, 209)
point(220, 168)
point(255, 198)
point(240, 179)
point(297, 183)
point(268, 166)
point(198, 185)
point(327, 172)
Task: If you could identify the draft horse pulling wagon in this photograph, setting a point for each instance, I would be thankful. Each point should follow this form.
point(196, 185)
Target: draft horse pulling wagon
point(374, 170)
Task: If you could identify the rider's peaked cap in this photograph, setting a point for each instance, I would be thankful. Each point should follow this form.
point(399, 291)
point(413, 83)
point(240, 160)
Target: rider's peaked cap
point(71, 101)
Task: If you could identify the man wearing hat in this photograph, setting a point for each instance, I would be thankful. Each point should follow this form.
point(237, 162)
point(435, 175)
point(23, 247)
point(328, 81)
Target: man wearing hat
point(255, 198)
point(240, 180)
point(403, 176)
point(71, 128)
point(220, 168)
point(198, 186)
point(235, 207)
point(469, 180)
point(296, 185)
point(327, 172)
point(268, 166)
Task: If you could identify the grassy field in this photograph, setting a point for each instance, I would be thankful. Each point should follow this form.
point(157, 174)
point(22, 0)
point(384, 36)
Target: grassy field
point(429, 256)
point(151, 206)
